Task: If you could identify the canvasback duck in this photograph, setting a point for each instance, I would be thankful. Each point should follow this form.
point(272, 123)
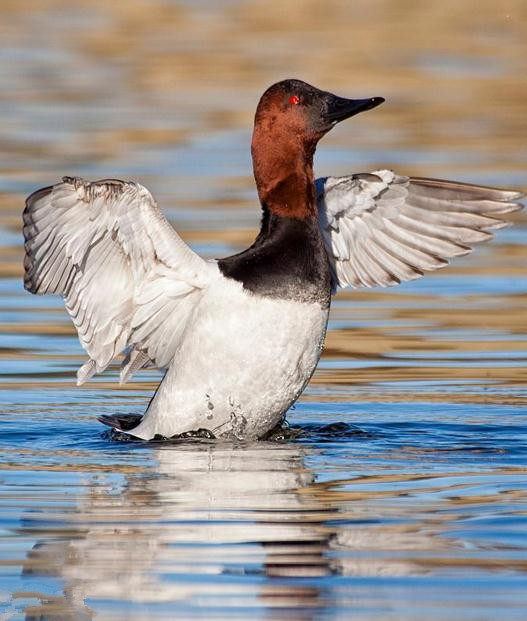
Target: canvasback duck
point(240, 337)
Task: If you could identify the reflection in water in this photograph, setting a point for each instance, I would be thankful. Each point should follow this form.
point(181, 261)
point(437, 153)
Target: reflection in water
point(201, 511)
point(205, 528)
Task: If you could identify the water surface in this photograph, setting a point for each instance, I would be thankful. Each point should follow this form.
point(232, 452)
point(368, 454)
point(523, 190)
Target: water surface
point(404, 494)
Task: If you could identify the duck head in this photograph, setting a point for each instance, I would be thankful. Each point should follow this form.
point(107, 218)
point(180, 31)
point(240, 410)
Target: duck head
point(295, 107)
point(291, 117)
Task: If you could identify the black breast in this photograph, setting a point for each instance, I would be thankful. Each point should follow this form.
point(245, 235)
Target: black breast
point(287, 261)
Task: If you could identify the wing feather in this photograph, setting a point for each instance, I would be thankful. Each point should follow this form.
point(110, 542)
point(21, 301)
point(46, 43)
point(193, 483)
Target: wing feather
point(381, 228)
point(126, 277)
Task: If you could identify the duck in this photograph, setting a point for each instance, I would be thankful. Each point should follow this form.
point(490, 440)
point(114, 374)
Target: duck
point(240, 337)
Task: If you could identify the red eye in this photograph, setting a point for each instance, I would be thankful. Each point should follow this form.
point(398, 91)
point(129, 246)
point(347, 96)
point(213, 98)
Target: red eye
point(294, 100)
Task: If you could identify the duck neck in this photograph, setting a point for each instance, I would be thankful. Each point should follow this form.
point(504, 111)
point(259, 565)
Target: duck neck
point(283, 170)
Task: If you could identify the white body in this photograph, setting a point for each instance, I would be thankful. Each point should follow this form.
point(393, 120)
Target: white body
point(242, 363)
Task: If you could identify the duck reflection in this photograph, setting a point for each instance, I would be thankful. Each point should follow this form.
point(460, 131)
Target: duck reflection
point(203, 526)
point(208, 528)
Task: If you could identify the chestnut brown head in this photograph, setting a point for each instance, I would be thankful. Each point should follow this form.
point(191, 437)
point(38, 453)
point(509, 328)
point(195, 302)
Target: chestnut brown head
point(290, 119)
point(295, 107)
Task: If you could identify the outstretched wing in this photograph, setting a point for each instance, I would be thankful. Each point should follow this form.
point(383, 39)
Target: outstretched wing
point(127, 279)
point(380, 229)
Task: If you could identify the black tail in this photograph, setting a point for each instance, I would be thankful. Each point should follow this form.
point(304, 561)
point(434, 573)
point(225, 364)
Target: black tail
point(121, 422)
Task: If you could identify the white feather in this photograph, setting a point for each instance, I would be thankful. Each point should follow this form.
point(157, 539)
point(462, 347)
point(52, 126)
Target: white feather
point(109, 251)
point(380, 228)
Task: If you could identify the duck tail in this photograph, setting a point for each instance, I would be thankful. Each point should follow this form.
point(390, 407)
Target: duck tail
point(121, 422)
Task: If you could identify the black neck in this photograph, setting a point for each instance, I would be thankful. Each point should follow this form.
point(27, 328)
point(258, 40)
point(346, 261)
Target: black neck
point(287, 260)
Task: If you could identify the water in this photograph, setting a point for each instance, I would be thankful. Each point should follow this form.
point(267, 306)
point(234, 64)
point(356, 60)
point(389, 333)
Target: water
point(401, 492)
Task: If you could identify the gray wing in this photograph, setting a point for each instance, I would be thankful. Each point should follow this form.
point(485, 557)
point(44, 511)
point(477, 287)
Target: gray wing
point(380, 229)
point(127, 279)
